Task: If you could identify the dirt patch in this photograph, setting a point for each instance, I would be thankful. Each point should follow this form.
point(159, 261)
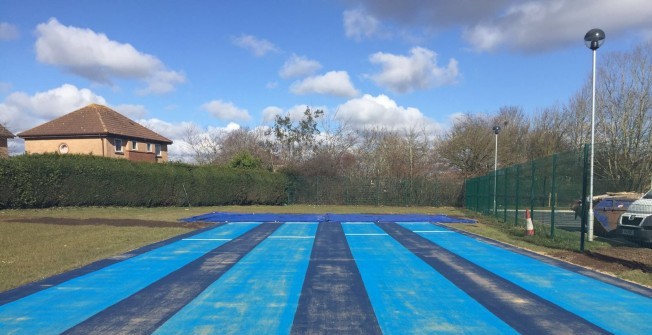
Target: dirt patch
point(113, 222)
point(614, 259)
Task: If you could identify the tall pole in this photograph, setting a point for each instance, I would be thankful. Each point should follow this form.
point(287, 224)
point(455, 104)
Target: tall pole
point(590, 234)
point(593, 40)
point(495, 172)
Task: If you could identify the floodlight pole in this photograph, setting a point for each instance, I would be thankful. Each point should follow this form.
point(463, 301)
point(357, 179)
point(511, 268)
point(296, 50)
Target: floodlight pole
point(590, 233)
point(593, 39)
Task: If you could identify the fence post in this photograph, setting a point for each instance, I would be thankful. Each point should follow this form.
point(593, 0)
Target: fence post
point(532, 189)
point(518, 179)
point(553, 196)
point(505, 194)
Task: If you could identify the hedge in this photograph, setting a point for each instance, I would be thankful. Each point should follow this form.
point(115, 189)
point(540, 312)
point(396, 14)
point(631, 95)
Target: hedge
point(48, 180)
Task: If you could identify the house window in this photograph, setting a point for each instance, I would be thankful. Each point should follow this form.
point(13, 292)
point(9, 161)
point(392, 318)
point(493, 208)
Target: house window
point(134, 145)
point(158, 150)
point(149, 147)
point(118, 145)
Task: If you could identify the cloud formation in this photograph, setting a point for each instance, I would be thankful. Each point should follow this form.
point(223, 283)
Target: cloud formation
point(22, 111)
point(335, 83)
point(516, 25)
point(259, 47)
point(381, 111)
point(8, 32)
point(419, 70)
point(97, 58)
point(226, 110)
point(298, 66)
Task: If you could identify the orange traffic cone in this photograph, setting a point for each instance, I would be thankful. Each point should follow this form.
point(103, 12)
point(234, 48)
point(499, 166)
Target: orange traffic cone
point(529, 228)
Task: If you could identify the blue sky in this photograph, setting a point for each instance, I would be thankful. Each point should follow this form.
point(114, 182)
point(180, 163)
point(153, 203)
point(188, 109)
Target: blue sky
point(228, 64)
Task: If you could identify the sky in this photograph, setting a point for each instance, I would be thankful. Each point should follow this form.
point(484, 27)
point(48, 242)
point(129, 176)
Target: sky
point(224, 65)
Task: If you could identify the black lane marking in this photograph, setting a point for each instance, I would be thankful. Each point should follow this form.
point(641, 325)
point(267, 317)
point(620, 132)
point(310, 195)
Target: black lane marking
point(146, 310)
point(629, 286)
point(28, 289)
point(524, 311)
point(333, 298)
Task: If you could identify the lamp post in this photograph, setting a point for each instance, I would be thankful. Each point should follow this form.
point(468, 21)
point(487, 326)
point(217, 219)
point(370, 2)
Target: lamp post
point(496, 130)
point(593, 39)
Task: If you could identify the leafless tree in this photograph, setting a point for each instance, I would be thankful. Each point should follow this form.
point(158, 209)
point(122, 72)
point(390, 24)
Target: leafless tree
point(206, 146)
point(624, 117)
point(547, 134)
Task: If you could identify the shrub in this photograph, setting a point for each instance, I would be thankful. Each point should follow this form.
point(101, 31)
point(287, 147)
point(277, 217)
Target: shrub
point(47, 180)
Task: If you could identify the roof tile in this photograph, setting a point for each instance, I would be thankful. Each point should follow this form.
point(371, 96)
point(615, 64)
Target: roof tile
point(5, 133)
point(93, 120)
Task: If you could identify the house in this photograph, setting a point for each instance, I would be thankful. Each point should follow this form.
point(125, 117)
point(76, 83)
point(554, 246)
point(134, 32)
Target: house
point(97, 130)
point(4, 135)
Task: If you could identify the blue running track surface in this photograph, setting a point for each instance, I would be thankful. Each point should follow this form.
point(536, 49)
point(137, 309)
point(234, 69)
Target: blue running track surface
point(328, 274)
point(409, 296)
point(259, 295)
point(612, 308)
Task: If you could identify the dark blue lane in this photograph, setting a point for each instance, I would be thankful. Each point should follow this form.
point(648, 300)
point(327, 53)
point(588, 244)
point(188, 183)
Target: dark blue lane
point(522, 310)
point(147, 309)
point(333, 299)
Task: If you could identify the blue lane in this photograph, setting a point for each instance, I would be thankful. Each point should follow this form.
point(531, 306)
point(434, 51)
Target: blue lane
point(609, 307)
point(58, 308)
point(408, 295)
point(258, 295)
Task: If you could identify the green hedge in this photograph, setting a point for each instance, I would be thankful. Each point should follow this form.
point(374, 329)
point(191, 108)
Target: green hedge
point(36, 181)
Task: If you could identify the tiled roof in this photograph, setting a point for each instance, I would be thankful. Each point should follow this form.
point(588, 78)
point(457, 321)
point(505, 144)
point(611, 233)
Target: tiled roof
point(93, 120)
point(4, 133)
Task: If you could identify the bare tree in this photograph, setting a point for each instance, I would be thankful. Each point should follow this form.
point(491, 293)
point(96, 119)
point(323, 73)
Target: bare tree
point(624, 117)
point(206, 146)
point(546, 136)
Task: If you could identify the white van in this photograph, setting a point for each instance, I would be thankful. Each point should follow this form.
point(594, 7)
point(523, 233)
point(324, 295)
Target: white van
point(636, 222)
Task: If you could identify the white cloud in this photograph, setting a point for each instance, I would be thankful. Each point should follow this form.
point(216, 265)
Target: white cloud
point(417, 71)
point(299, 66)
point(259, 47)
point(358, 24)
point(23, 111)
point(8, 32)
point(225, 110)
point(332, 83)
point(95, 57)
point(269, 113)
point(382, 111)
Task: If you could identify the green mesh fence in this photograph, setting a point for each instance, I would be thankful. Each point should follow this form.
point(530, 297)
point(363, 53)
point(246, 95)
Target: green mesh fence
point(552, 187)
point(320, 190)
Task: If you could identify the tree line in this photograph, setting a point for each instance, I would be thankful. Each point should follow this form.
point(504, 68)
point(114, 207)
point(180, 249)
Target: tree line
point(321, 145)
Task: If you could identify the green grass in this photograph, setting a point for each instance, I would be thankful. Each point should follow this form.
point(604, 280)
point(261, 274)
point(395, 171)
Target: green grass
point(32, 251)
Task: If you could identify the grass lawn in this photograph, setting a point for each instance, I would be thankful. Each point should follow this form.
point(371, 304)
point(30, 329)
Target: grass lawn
point(32, 251)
